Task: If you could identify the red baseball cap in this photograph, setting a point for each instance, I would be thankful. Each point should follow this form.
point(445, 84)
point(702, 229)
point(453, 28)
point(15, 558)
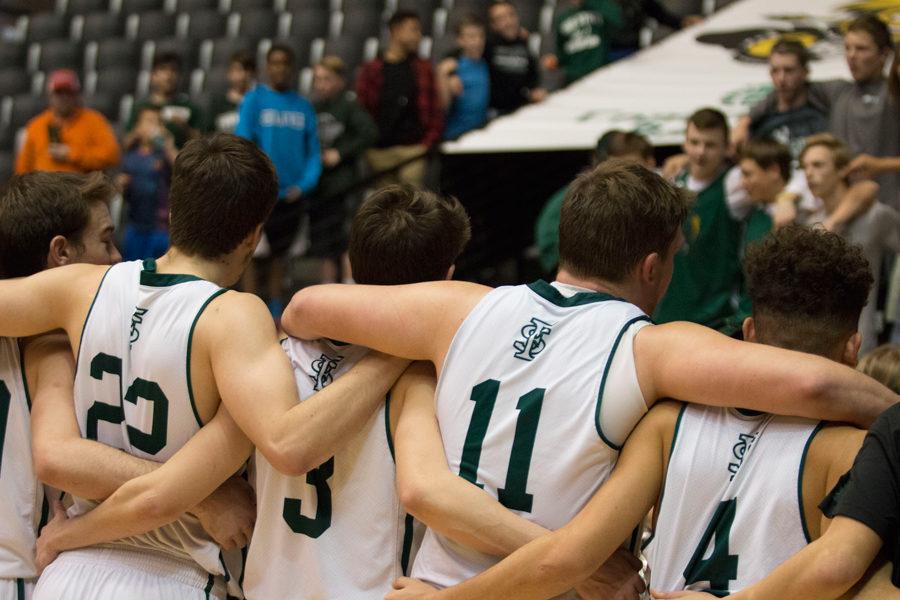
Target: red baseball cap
point(63, 79)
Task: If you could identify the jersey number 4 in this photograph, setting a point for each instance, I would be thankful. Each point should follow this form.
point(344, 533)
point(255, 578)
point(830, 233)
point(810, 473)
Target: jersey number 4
point(5, 401)
point(721, 567)
point(152, 442)
point(513, 495)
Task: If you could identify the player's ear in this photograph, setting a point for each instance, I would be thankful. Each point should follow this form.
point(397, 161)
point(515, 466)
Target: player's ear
point(59, 252)
point(851, 350)
point(650, 269)
point(450, 272)
point(748, 328)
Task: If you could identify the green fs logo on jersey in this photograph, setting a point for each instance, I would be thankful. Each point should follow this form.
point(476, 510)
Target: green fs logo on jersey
point(136, 319)
point(533, 342)
point(323, 369)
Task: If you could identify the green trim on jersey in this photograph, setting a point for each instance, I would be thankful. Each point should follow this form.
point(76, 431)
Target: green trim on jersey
point(209, 586)
point(20, 589)
point(86, 318)
point(662, 493)
point(24, 379)
point(800, 481)
point(190, 344)
point(151, 278)
point(407, 544)
point(612, 354)
point(387, 425)
point(551, 294)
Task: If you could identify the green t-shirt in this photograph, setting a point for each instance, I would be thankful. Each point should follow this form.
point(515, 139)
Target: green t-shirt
point(583, 36)
point(706, 283)
point(179, 114)
point(546, 231)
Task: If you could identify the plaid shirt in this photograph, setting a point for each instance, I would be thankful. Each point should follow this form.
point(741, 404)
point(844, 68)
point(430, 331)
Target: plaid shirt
point(371, 81)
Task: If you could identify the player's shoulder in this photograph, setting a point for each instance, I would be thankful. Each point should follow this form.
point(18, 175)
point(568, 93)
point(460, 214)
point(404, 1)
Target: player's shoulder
point(835, 443)
point(233, 311)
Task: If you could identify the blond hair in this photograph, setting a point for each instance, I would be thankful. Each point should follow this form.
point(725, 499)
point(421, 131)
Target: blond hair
point(883, 365)
point(839, 150)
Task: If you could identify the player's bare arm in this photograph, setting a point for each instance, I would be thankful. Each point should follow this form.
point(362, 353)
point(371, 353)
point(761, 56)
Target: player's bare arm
point(430, 492)
point(859, 198)
point(52, 299)
point(687, 361)
point(417, 321)
point(824, 570)
point(556, 562)
point(450, 505)
point(255, 381)
point(214, 454)
point(89, 469)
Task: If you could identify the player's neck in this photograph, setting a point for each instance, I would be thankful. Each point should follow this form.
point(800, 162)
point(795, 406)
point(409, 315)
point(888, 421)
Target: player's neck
point(619, 290)
point(223, 271)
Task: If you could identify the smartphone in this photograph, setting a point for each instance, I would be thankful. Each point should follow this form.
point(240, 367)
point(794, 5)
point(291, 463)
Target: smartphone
point(53, 133)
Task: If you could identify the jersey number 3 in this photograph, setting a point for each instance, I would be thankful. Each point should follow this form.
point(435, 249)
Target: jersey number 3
point(5, 401)
point(318, 478)
point(513, 495)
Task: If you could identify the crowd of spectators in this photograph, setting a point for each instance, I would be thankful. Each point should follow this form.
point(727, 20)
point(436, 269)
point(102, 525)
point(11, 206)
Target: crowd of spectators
point(814, 152)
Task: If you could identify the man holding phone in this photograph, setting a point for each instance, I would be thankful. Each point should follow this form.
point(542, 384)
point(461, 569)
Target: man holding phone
point(67, 136)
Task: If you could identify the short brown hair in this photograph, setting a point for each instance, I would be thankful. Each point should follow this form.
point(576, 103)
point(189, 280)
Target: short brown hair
point(883, 365)
point(794, 48)
point(223, 187)
point(877, 29)
point(808, 288)
point(334, 64)
point(402, 234)
point(839, 150)
point(766, 153)
point(615, 215)
point(468, 20)
point(710, 118)
point(36, 207)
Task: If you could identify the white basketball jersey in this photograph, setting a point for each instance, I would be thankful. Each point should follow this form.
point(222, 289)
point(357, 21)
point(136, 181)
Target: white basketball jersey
point(21, 496)
point(731, 510)
point(533, 407)
point(339, 532)
point(133, 384)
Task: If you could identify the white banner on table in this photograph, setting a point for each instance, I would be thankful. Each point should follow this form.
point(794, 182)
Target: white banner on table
point(719, 63)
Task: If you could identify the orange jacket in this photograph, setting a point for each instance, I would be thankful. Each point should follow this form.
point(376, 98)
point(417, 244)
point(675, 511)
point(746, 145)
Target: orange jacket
point(91, 141)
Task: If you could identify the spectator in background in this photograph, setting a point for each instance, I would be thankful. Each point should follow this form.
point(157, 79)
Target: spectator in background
point(583, 32)
point(624, 145)
point(626, 40)
point(345, 132)
point(67, 136)
point(883, 365)
point(398, 90)
point(463, 80)
point(794, 116)
point(145, 177)
point(861, 112)
point(707, 278)
point(181, 116)
point(222, 113)
point(877, 230)
point(283, 125)
point(513, 69)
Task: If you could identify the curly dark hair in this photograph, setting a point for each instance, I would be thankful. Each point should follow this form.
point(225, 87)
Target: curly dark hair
point(808, 288)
